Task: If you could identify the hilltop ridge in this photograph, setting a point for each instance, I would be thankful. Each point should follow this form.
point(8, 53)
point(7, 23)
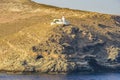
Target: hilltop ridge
point(8, 1)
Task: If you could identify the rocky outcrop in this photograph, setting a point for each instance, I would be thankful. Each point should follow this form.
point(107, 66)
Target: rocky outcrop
point(86, 51)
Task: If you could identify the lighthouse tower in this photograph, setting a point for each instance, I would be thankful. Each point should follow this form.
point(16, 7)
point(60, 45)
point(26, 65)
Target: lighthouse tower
point(63, 19)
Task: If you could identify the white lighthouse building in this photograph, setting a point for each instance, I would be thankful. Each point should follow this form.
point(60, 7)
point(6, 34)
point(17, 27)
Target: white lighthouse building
point(62, 21)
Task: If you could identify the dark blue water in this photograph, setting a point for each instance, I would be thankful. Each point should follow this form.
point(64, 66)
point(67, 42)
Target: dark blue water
point(105, 76)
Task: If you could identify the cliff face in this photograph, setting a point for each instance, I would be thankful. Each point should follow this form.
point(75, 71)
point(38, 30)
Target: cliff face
point(29, 43)
point(85, 50)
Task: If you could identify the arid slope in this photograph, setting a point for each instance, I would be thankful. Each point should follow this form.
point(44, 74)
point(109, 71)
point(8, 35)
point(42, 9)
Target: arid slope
point(25, 24)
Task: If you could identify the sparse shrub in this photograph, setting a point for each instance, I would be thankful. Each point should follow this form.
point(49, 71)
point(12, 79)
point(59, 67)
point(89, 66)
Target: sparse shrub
point(112, 52)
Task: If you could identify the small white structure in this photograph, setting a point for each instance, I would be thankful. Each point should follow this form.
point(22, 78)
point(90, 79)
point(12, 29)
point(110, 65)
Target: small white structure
point(62, 21)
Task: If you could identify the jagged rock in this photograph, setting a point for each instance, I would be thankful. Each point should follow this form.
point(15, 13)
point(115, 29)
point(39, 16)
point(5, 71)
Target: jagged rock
point(70, 41)
point(29, 69)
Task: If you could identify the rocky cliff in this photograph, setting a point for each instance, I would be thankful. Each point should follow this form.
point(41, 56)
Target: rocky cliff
point(85, 50)
point(28, 43)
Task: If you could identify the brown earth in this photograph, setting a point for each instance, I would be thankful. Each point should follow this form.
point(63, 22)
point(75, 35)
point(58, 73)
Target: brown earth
point(29, 43)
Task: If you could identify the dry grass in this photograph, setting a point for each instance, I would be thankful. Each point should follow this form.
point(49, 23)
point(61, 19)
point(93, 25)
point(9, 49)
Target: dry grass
point(19, 31)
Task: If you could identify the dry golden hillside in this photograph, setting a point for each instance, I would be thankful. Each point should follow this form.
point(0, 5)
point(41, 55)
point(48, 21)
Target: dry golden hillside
point(24, 24)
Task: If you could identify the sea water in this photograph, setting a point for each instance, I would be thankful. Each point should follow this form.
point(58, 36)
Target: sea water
point(100, 76)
